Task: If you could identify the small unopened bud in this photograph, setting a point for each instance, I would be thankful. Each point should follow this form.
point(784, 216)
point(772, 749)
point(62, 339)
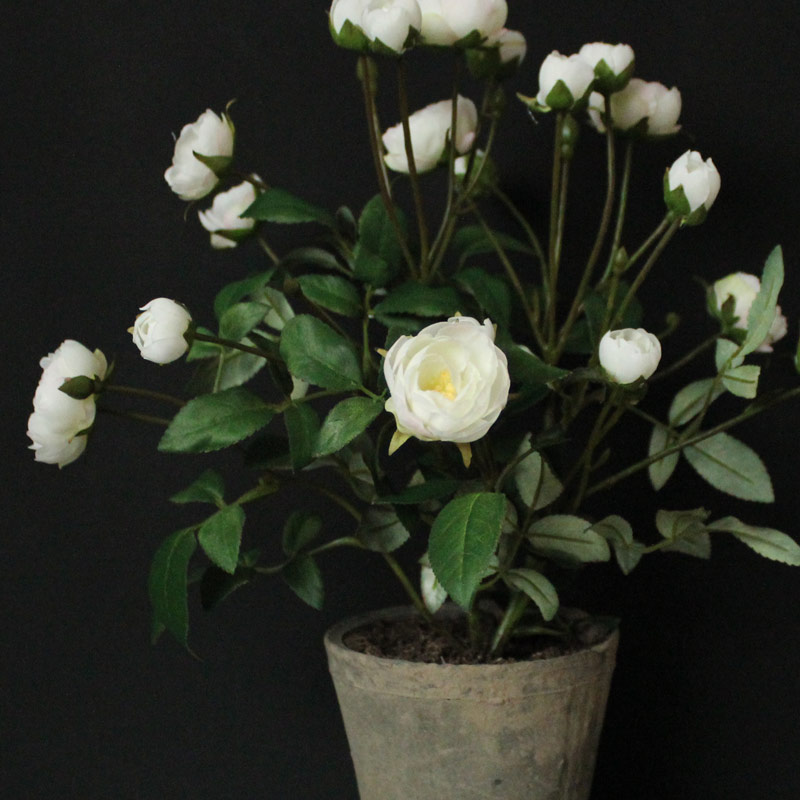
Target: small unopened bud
point(79, 388)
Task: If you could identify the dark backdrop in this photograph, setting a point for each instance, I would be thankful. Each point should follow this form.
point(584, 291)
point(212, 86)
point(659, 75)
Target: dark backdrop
point(706, 697)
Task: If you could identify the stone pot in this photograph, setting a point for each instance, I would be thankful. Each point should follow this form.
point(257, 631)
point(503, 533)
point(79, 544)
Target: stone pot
point(520, 731)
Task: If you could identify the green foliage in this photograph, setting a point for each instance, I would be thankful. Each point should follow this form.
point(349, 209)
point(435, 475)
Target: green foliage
point(305, 580)
point(693, 399)
point(239, 319)
point(418, 300)
point(234, 292)
point(685, 531)
point(220, 536)
point(742, 381)
point(378, 254)
point(314, 352)
point(302, 427)
point(299, 531)
point(278, 205)
point(490, 292)
point(213, 421)
point(208, 488)
point(567, 538)
point(462, 541)
point(471, 240)
point(436, 489)
point(168, 583)
point(661, 471)
point(537, 588)
point(766, 542)
point(538, 487)
point(333, 293)
point(345, 421)
point(381, 529)
point(732, 467)
point(618, 532)
point(763, 309)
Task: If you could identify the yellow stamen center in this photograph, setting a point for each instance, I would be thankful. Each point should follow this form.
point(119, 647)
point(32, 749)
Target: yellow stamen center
point(442, 383)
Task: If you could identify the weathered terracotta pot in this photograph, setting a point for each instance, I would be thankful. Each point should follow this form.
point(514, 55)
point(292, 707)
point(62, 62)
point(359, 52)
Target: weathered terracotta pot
point(522, 731)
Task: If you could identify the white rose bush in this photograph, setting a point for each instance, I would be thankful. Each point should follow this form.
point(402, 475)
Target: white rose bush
point(455, 384)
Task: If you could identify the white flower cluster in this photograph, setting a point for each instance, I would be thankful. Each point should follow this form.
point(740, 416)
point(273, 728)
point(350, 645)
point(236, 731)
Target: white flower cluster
point(396, 24)
point(59, 424)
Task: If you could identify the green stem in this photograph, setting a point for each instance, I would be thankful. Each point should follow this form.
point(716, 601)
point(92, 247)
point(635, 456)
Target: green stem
point(422, 226)
point(750, 411)
point(688, 358)
point(148, 418)
point(245, 348)
point(273, 256)
point(621, 211)
point(513, 613)
point(377, 160)
point(408, 586)
point(135, 391)
point(524, 224)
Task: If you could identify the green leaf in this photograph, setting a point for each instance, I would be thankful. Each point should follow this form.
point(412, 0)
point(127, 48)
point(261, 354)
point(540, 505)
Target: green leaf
point(535, 480)
point(381, 530)
point(462, 541)
point(220, 536)
point(299, 531)
point(472, 240)
point(732, 467)
point(528, 369)
point(168, 583)
point(537, 588)
point(436, 489)
point(278, 311)
point(304, 578)
point(491, 293)
point(302, 426)
point(344, 422)
point(568, 537)
point(418, 300)
point(686, 531)
point(763, 310)
point(726, 355)
point(238, 290)
point(742, 381)
point(278, 205)
point(216, 584)
point(311, 257)
point(766, 542)
point(239, 319)
point(618, 532)
point(237, 368)
point(317, 354)
point(586, 333)
point(331, 292)
point(378, 254)
point(213, 421)
point(691, 400)
point(661, 471)
point(208, 488)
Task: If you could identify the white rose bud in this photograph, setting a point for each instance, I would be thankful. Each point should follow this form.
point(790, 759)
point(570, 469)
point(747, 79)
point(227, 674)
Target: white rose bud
point(743, 288)
point(448, 383)
point(563, 81)
point(224, 221)
point(210, 136)
point(511, 45)
point(343, 11)
point(691, 186)
point(445, 22)
point(629, 354)
point(58, 425)
point(430, 128)
point(391, 22)
point(159, 331)
point(644, 107)
point(612, 64)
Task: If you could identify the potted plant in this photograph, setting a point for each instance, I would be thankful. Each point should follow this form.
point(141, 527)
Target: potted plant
point(459, 399)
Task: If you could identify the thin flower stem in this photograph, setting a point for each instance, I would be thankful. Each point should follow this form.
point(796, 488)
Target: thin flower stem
point(555, 204)
point(688, 358)
point(645, 271)
point(245, 348)
point(344, 541)
point(367, 68)
point(600, 239)
point(273, 256)
point(621, 210)
point(750, 411)
point(524, 224)
point(512, 276)
point(148, 418)
point(422, 225)
point(135, 391)
point(408, 586)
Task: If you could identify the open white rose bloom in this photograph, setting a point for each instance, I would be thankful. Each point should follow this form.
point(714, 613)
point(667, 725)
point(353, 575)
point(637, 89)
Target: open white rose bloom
point(59, 423)
point(438, 311)
point(448, 383)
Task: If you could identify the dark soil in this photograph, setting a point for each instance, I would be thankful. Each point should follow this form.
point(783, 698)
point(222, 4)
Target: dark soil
point(448, 642)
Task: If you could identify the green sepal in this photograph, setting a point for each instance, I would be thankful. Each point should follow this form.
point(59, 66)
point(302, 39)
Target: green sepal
point(80, 387)
point(217, 164)
point(607, 81)
point(351, 37)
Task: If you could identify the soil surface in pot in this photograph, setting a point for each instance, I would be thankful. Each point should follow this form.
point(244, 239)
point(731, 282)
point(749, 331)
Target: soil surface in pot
point(448, 641)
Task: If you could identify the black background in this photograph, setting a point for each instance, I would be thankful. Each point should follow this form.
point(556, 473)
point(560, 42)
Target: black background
point(706, 696)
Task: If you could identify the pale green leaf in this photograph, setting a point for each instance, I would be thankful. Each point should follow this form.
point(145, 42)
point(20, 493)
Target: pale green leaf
point(732, 467)
point(537, 588)
point(742, 381)
point(692, 399)
point(381, 529)
point(764, 307)
point(726, 355)
point(535, 480)
point(568, 537)
point(661, 471)
point(767, 542)
point(618, 532)
point(686, 531)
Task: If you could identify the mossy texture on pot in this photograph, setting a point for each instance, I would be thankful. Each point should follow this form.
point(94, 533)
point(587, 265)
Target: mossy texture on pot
point(527, 730)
